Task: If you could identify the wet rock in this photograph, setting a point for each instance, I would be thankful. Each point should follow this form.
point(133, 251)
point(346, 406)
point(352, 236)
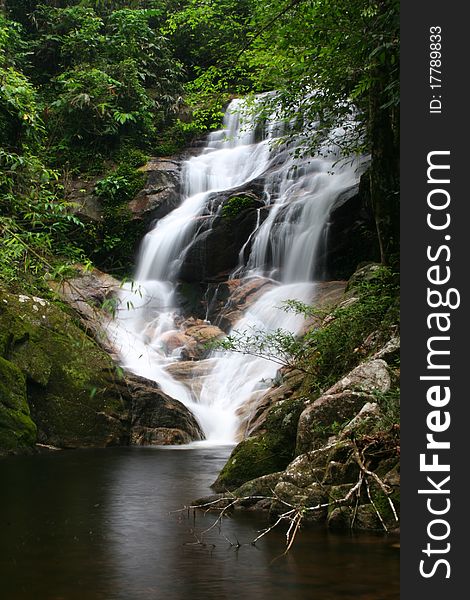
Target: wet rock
point(174, 339)
point(232, 298)
point(254, 412)
point(152, 411)
point(191, 372)
point(161, 193)
point(199, 334)
point(159, 436)
point(214, 252)
point(350, 234)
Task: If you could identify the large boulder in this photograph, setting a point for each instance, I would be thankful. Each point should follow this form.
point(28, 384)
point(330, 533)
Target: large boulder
point(162, 190)
point(91, 295)
point(370, 376)
point(329, 413)
point(326, 416)
point(71, 382)
point(156, 418)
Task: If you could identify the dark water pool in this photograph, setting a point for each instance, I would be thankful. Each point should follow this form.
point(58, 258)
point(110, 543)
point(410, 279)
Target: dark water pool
point(97, 525)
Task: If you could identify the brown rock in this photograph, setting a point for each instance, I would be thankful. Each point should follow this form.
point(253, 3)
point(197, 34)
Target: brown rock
point(161, 193)
point(152, 411)
point(317, 419)
point(159, 436)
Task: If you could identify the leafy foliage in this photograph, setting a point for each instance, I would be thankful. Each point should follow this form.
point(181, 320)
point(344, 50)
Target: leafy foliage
point(81, 81)
point(329, 351)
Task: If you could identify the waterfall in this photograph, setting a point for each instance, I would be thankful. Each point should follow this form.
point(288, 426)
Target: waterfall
point(300, 193)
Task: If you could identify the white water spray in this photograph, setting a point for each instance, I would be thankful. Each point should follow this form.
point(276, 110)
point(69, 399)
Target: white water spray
point(301, 193)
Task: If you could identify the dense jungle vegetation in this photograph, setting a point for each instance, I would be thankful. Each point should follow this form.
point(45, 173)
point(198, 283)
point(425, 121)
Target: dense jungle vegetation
point(89, 88)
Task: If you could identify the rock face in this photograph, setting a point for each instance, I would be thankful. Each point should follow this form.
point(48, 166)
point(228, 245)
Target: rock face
point(17, 430)
point(87, 293)
point(70, 383)
point(341, 403)
point(351, 236)
point(155, 418)
point(161, 193)
point(215, 251)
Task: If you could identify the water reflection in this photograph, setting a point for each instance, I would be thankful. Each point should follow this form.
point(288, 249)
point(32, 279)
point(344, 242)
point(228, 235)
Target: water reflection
point(96, 525)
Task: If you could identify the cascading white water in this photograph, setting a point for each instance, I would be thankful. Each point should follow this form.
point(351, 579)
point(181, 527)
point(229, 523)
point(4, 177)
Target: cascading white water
point(301, 193)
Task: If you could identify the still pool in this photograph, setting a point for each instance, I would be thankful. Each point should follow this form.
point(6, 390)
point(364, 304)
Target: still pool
point(105, 525)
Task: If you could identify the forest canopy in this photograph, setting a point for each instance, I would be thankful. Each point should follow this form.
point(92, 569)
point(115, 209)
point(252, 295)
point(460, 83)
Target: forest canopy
point(90, 87)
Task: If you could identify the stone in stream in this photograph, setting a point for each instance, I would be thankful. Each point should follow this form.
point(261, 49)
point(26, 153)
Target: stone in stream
point(155, 417)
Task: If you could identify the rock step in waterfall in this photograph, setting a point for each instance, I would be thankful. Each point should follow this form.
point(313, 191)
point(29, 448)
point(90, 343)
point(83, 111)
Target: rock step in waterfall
point(298, 194)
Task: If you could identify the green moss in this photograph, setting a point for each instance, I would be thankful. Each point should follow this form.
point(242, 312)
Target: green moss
point(235, 205)
point(382, 505)
point(112, 242)
point(17, 430)
point(267, 453)
point(75, 401)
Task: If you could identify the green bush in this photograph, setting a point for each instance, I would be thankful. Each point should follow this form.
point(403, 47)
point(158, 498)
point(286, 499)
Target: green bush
point(235, 205)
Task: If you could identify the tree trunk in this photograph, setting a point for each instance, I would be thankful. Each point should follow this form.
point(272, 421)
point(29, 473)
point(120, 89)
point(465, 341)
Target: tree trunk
point(384, 176)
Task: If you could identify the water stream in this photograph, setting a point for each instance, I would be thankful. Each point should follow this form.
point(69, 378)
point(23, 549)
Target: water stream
point(300, 192)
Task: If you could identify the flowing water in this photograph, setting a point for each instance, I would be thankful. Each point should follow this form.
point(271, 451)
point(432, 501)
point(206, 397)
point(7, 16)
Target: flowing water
point(98, 525)
point(300, 192)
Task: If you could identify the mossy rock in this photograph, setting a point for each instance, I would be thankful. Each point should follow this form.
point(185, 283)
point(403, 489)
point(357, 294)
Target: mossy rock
point(69, 379)
point(264, 454)
point(252, 458)
point(314, 495)
point(365, 518)
point(17, 430)
point(234, 205)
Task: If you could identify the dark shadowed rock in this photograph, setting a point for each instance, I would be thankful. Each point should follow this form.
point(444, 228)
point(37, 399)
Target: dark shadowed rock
point(215, 251)
point(350, 234)
point(151, 412)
